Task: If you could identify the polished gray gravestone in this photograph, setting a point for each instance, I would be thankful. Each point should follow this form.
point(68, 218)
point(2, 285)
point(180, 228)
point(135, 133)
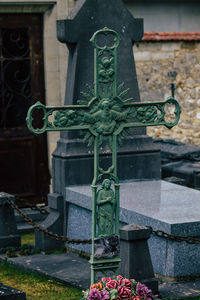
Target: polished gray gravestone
point(138, 157)
point(71, 154)
point(165, 206)
point(172, 150)
point(180, 162)
point(9, 293)
point(185, 170)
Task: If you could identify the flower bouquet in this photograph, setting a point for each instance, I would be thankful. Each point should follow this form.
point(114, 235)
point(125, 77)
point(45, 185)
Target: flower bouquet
point(118, 288)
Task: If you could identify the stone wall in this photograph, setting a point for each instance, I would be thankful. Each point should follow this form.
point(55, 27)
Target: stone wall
point(154, 60)
point(55, 64)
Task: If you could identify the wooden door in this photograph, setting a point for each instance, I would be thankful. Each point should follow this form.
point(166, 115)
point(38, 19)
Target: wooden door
point(23, 156)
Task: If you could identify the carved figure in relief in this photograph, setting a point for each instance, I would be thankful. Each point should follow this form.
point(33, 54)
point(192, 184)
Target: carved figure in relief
point(105, 119)
point(106, 70)
point(105, 203)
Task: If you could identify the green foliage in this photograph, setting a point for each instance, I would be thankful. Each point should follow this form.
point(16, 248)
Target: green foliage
point(113, 294)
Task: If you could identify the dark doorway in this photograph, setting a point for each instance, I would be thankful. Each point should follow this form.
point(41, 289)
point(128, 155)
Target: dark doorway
point(23, 156)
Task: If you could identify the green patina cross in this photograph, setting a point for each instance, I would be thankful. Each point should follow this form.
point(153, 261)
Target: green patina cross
point(105, 115)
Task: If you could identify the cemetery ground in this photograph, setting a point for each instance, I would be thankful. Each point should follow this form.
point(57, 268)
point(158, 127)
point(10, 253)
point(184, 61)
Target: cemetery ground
point(43, 287)
point(36, 286)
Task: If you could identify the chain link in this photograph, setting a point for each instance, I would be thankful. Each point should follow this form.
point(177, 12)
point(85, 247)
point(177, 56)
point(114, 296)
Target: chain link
point(45, 231)
point(159, 233)
point(42, 210)
point(176, 238)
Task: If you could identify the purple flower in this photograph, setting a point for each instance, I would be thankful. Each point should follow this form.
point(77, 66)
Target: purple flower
point(143, 292)
point(105, 295)
point(94, 294)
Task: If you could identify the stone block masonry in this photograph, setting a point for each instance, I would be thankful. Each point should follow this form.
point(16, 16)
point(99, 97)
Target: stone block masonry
point(154, 60)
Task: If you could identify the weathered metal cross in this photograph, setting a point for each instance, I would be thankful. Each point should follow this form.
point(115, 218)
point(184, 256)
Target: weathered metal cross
point(104, 115)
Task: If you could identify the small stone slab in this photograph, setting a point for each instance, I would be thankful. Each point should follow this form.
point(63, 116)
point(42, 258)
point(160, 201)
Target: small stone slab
point(186, 170)
point(172, 150)
point(9, 293)
point(68, 268)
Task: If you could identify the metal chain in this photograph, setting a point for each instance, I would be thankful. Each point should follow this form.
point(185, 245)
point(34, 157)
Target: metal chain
point(176, 238)
point(42, 210)
point(45, 231)
point(159, 233)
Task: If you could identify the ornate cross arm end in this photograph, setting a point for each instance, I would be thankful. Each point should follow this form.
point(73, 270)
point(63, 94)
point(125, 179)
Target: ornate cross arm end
point(52, 118)
point(105, 31)
point(29, 119)
point(177, 112)
point(165, 113)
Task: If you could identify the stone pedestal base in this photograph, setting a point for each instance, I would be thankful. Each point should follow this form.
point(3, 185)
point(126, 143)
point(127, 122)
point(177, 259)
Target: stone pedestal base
point(9, 236)
point(135, 257)
point(138, 158)
point(54, 222)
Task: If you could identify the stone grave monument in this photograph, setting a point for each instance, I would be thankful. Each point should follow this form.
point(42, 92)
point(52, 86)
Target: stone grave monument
point(9, 236)
point(87, 17)
point(180, 162)
point(138, 157)
point(144, 199)
point(104, 117)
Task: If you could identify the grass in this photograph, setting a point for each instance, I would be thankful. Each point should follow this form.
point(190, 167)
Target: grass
point(37, 287)
point(28, 238)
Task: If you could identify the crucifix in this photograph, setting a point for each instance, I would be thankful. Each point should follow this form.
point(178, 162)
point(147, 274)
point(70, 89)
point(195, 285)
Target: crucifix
point(104, 116)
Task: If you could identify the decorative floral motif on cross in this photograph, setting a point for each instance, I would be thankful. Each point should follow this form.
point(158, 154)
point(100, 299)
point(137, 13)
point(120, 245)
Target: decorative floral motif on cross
point(106, 69)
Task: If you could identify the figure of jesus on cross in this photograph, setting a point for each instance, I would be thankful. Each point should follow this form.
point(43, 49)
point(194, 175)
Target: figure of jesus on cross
point(105, 116)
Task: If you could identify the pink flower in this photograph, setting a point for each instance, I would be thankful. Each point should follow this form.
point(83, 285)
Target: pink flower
point(106, 279)
point(124, 292)
point(126, 282)
point(112, 284)
point(119, 277)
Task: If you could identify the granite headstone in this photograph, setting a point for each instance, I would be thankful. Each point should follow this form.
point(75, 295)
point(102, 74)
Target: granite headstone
point(164, 206)
point(71, 154)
